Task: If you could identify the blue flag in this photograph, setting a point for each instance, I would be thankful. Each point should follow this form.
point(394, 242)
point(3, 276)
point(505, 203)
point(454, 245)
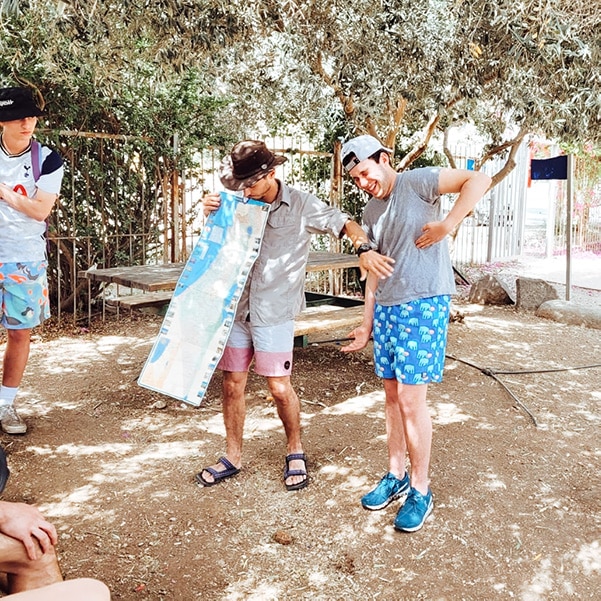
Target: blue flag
point(556, 168)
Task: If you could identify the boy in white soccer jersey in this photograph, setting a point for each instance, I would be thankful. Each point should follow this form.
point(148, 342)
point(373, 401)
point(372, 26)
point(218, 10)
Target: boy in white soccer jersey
point(30, 180)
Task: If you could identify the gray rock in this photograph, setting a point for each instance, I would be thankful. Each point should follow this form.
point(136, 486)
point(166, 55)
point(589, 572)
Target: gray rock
point(571, 313)
point(490, 290)
point(531, 293)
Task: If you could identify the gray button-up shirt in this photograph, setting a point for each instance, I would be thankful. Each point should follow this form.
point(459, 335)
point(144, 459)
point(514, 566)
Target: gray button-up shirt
point(275, 289)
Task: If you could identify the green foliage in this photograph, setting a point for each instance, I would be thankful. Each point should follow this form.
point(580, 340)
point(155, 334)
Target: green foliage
point(96, 77)
point(587, 174)
point(216, 71)
point(400, 68)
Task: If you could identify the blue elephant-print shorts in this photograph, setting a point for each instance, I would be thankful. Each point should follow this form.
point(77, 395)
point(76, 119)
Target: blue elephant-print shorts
point(410, 340)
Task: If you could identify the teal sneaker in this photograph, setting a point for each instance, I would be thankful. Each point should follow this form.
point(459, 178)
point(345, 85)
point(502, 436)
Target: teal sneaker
point(413, 513)
point(389, 488)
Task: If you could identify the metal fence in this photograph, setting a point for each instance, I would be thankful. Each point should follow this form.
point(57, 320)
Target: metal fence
point(520, 219)
point(494, 232)
point(153, 216)
point(546, 232)
point(96, 224)
point(149, 215)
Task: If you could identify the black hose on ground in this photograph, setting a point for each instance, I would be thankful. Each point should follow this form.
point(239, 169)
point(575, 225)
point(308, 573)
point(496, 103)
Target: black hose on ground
point(487, 371)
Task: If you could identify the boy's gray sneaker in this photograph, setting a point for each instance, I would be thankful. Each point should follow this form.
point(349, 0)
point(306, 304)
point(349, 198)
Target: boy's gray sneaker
point(389, 488)
point(11, 421)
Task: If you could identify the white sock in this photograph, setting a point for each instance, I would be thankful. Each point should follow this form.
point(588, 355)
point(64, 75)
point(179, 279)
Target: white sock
point(7, 395)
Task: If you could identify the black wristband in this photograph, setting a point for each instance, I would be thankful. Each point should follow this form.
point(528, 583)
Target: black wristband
point(363, 248)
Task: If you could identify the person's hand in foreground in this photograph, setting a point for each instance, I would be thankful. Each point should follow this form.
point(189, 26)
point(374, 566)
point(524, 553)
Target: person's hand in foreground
point(26, 523)
point(361, 336)
point(380, 265)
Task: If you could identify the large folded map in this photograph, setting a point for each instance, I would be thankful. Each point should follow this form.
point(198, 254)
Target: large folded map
point(201, 313)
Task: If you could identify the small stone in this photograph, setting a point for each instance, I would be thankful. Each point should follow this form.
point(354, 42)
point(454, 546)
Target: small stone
point(283, 537)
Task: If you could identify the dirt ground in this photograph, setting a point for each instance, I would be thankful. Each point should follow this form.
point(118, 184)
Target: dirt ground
point(517, 503)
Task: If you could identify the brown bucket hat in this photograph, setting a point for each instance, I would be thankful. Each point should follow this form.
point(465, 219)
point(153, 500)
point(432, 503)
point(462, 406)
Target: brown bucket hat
point(249, 161)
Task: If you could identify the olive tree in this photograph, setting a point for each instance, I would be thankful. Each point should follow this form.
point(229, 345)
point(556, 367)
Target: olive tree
point(410, 70)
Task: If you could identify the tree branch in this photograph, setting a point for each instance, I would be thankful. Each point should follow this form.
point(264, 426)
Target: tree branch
point(501, 147)
point(510, 163)
point(347, 102)
point(447, 150)
point(421, 147)
point(371, 128)
point(397, 118)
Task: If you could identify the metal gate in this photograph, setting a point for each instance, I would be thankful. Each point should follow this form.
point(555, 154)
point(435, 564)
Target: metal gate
point(495, 230)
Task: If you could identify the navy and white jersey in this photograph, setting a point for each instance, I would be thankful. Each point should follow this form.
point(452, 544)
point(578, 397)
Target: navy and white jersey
point(21, 237)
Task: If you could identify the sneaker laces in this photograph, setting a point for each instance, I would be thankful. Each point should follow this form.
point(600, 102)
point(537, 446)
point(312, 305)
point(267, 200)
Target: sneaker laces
point(390, 481)
point(412, 500)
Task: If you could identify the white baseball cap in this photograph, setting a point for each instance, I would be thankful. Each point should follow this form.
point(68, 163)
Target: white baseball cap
point(360, 148)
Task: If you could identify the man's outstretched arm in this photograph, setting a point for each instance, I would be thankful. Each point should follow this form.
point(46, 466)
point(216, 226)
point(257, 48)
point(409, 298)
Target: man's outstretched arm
point(371, 261)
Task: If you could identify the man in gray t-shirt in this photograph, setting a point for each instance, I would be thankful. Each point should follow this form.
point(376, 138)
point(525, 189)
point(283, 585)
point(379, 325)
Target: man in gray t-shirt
point(407, 312)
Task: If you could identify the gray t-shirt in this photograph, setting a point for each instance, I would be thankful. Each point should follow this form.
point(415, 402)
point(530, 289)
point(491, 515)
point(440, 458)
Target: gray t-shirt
point(393, 225)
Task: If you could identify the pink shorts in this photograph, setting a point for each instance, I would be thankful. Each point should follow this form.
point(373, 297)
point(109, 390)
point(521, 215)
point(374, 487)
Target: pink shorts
point(271, 347)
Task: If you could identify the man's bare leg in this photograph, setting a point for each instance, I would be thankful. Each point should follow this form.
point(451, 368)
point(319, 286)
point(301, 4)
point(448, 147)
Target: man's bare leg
point(234, 415)
point(288, 406)
point(418, 432)
point(395, 431)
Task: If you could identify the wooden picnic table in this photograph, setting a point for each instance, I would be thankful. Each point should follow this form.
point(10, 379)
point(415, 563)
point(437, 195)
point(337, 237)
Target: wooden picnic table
point(157, 283)
point(152, 278)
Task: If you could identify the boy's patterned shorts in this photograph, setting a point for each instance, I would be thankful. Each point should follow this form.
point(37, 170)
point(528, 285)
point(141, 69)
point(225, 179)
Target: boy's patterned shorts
point(23, 295)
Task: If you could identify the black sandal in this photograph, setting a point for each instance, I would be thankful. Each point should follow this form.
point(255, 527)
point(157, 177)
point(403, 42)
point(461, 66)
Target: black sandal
point(288, 472)
point(218, 476)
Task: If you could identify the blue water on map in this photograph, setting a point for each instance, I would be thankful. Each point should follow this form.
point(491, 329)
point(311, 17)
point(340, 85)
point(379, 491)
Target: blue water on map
point(212, 238)
point(204, 254)
point(210, 243)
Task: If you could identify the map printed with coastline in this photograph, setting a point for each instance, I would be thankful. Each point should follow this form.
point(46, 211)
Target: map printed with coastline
point(201, 313)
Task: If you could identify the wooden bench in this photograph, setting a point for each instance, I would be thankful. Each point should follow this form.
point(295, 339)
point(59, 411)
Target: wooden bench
point(322, 318)
point(141, 300)
point(323, 312)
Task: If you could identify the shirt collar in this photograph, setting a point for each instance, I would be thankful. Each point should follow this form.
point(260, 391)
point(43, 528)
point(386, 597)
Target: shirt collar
point(282, 197)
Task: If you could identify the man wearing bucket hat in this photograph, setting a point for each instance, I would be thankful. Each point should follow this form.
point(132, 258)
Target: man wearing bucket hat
point(272, 298)
point(408, 312)
point(30, 180)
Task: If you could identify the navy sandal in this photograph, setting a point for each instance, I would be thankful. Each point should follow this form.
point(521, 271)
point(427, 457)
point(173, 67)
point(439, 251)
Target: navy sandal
point(288, 472)
point(229, 471)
